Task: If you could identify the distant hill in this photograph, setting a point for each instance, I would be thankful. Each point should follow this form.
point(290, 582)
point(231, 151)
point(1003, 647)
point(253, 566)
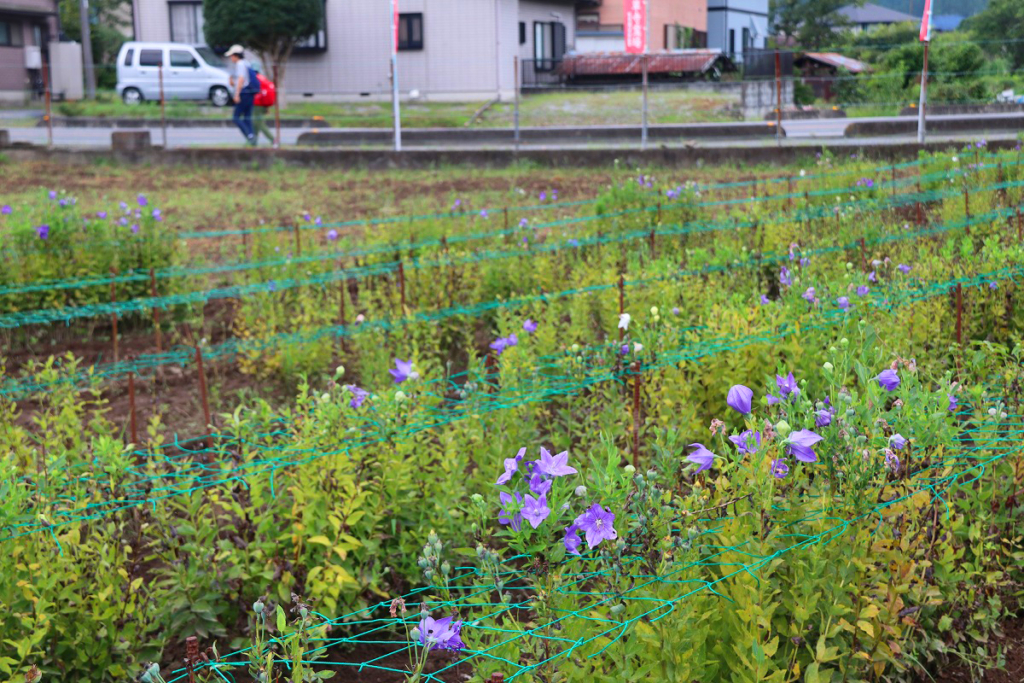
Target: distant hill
point(916, 7)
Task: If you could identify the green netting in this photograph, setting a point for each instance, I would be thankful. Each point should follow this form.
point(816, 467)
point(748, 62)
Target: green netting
point(184, 356)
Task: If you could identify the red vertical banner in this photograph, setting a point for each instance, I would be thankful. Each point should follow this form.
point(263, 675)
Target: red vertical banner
point(394, 26)
point(926, 22)
point(636, 26)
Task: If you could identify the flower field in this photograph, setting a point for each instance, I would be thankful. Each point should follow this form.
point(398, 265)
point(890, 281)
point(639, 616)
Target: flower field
point(664, 428)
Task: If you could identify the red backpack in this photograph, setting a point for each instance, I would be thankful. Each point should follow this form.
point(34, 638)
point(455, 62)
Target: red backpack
point(267, 94)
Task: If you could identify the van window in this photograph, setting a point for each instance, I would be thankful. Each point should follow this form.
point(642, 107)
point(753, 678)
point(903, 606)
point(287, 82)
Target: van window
point(128, 56)
point(183, 59)
point(151, 58)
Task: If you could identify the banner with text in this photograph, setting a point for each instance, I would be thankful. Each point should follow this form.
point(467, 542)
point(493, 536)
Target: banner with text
point(636, 26)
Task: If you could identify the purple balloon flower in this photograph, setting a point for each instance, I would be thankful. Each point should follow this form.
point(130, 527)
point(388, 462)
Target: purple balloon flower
point(904, 268)
point(158, 215)
point(511, 466)
point(597, 525)
point(888, 380)
point(701, 457)
point(779, 468)
point(441, 634)
point(523, 222)
point(872, 277)
point(993, 285)
point(863, 290)
point(801, 445)
point(572, 539)
point(784, 277)
point(765, 300)
point(897, 442)
point(543, 195)
point(535, 510)
point(358, 395)
point(554, 465)
point(483, 213)
point(6, 210)
point(142, 200)
point(402, 370)
point(952, 402)
point(123, 222)
point(318, 222)
point(539, 484)
point(808, 295)
point(822, 418)
point(506, 518)
point(63, 203)
point(844, 302)
point(43, 232)
point(53, 194)
point(787, 385)
point(739, 399)
point(332, 234)
point(101, 214)
point(529, 326)
point(747, 441)
point(135, 228)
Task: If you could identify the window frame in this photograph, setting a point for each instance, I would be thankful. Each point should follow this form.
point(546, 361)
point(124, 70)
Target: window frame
point(15, 34)
point(408, 18)
point(196, 5)
point(158, 50)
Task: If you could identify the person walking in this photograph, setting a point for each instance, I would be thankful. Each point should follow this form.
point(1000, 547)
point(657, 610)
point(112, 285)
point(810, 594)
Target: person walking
point(262, 103)
point(243, 80)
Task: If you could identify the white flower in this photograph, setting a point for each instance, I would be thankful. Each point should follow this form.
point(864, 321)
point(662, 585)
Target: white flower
point(802, 173)
point(360, 318)
point(325, 398)
point(654, 310)
point(956, 159)
point(624, 321)
point(637, 347)
point(400, 396)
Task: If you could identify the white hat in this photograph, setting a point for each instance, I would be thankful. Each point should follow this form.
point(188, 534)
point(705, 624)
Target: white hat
point(234, 50)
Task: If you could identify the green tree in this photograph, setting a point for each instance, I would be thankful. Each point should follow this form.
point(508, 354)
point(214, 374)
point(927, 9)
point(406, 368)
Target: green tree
point(110, 26)
point(812, 22)
point(270, 28)
point(1001, 26)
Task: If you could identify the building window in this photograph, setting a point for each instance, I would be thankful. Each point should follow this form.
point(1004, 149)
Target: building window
point(318, 41)
point(10, 34)
point(746, 40)
point(683, 37)
point(151, 58)
point(548, 44)
point(410, 31)
point(187, 22)
point(522, 33)
point(588, 21)
point(732, 41)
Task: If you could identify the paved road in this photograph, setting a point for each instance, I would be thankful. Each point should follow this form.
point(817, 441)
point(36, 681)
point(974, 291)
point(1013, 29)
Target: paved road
point(810, 131)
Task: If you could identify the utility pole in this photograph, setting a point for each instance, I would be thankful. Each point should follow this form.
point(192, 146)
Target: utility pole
point(90, 74)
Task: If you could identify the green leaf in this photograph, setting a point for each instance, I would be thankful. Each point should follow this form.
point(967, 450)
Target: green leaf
point(945, 622)
point(280, 619)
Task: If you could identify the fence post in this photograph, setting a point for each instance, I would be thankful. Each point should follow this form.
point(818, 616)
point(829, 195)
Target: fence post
point(277, 109)
point(113, 314)
point(46, 100)
point(131, 408)
point(395, 107)
point(515, 109)
point(622, 302)
point(156, 312)
point(643, 127)
point(163, 109)
point(637, 378)
point(202, 389)
point(778, 99)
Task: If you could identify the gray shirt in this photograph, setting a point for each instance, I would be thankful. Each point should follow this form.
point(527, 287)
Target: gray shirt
point(242, 72)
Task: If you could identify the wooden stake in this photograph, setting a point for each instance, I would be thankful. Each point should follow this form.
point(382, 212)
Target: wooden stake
point(131, 409)
point(893, 181)
point(652, 236)
point(622, 302)
point(789, 193)
point(113, 314)
point(959, 314)
point(863, 255)
point(967, 203)
point(401, 284)
point(637, 378)
point(659, 213)
point(298, 242)
point(156, 312)
point(202, 389)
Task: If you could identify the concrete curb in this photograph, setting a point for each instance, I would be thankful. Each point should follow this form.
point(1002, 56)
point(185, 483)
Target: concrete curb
point(1011, 123)
point(476, 158)
point(120, 122)
point(502, 136)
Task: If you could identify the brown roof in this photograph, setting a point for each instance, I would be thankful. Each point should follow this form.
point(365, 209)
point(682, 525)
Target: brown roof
point(854, 66)
point(621, 63)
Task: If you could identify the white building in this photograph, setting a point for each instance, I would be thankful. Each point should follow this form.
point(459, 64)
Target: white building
point(735, 26)
point(448, 49)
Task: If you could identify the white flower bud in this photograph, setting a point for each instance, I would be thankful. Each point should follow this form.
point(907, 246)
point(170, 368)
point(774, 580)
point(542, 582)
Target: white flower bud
point(400, 396)
point(630, 470)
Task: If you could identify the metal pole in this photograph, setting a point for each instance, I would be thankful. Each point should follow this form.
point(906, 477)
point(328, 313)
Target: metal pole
point(515, 110)
point(163, 109)
point(778, 99)
point(277, 108)
point(643, 126)
point(90, 74)
point(924, 98)
point(46, 99)
point(396, 112)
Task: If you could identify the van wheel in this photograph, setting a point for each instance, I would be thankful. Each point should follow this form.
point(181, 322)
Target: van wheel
point(131, 96)
point(219, 96)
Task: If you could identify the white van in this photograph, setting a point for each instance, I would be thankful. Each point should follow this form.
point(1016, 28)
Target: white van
point(189, 73)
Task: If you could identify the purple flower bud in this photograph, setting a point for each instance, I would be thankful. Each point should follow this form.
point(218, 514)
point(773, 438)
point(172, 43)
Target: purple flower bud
point(43, 232)
point(739, 398)
point(888, 380)
point(897, 442)
point(6, 210)
point(863, 290)
point(142, 200)
point(135, 228)
point(101, 214)
point(332, 234)
point(530, 326)
point(904, 268)
point(844, 302)
point(53, 194)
